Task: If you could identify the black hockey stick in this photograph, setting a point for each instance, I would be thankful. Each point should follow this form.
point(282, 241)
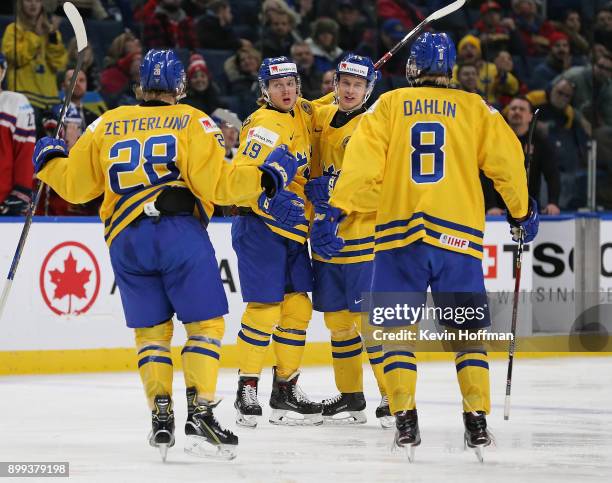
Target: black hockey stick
point(517, 277)
point(76, 21)
point(438, 14)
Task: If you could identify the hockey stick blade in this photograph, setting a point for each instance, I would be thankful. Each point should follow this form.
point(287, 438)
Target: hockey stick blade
point(76, 21)
point(437, 15)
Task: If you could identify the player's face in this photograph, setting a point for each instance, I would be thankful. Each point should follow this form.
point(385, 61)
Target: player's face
point(283, 93)
point(351, 92)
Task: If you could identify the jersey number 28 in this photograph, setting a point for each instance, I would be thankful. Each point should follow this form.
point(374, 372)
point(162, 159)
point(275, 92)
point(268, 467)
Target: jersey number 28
point(156, 150)
point(427, 156)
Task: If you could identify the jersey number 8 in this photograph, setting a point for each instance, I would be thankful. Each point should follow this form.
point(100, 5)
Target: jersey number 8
point(428, 140)
point(149, 150)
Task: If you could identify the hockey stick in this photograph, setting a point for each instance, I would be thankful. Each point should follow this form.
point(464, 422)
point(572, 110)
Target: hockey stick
point(437, 15)
point(74, 17)
point(517, 278)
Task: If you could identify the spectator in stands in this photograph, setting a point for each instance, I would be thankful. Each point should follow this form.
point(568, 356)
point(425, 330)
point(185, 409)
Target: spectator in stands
point(352, 26)
point(494, 80)
point(327, 82)
point(495, 33)
point(90, 9)
point(603, 26)
point(77, 118)
point(35, 53)
point(215, 27)
point(324, 44)
point(81, 115)
point(391, 32)
point(571, 25)
point(89, 64)
point(230, 124)
point(17, 137)
point(241, 72)
point(467, 77)
point(534, 30)
point(309, 76)
point(567, 138)
point(278, 33)
point(558, 61)
point(593, 87)
point(543, 163)
point(202, 93)
point(403, 10)
point(169, 27)
point(122, 67)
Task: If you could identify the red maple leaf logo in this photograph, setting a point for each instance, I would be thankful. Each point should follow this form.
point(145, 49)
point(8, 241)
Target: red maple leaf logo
point(69, 282)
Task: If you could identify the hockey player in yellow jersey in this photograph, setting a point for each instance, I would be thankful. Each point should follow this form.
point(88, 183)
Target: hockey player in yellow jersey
point(273, 261)
point(339, 282)
point(425, 146)
point(160, 166)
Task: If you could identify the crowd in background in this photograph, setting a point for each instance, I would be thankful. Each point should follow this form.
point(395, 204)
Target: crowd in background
point(519, 55)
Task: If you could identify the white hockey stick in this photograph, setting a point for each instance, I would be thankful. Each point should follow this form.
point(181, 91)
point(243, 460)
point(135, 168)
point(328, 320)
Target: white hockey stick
point(437, 15)
point(76, 21)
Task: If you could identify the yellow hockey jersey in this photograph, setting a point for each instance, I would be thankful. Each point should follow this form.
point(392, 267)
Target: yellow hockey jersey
point(426, 146)
point(329, 145)
point(261, 132)
point(131, 153)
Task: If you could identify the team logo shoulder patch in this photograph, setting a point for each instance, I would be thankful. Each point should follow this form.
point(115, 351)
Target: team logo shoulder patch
point(263, 136)
point(307, 108)
point(492, 110)
point(208, 125)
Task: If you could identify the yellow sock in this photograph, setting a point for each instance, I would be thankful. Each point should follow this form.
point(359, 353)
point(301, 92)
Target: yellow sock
point(154, 359)
point(290, 335)
point(400, 379)
point(258, 322)
point(473, 376)
point(346, 348)
point(376, 358)
point(201, 356)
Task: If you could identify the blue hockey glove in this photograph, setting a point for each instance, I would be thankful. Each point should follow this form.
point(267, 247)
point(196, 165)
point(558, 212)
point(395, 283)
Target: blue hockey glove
point(318, 190)
point(286, 207)
point(46, 149)
point(324, 234)
point(528, 228)
point(279, 170)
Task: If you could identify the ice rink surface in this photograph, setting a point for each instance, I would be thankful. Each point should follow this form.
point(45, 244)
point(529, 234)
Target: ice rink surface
point(560, 430)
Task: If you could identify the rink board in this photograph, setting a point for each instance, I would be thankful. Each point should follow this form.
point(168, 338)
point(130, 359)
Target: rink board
point(63, 314)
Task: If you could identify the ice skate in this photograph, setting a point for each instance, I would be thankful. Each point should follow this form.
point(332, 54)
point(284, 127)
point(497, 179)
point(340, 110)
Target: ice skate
point(205, 436)
point(287, 399)
point(476, 435)
point(162, 433)
point(407, 434)
point(383, 414)
point(246, 404)
point(344, 408)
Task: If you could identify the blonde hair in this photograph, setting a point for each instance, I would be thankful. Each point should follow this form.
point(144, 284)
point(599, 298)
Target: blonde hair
point(117, 48)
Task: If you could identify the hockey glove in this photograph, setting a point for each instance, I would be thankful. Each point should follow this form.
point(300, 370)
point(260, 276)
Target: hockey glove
point(318, 190)
point(17, 202)
point(46, 149)
point(324, 235)
point(279, 169)
point(528, 227)
point(286, 207)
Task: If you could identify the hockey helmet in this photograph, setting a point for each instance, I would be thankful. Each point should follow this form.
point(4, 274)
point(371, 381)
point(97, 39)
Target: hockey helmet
point(161, 70)
point(276, 68)
point(357, 66)
point(432, 54)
